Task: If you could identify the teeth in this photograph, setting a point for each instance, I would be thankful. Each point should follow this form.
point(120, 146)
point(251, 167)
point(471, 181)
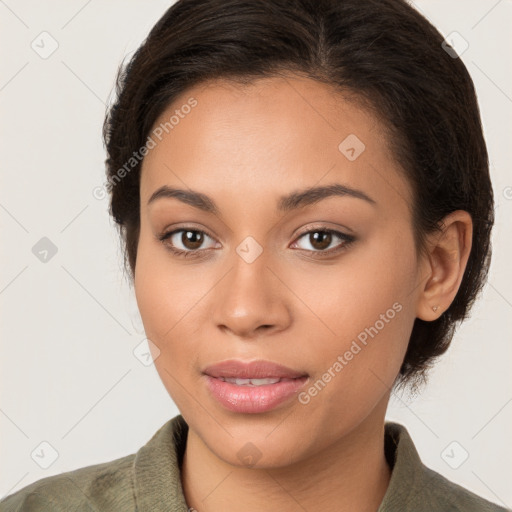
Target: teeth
point(251, 382)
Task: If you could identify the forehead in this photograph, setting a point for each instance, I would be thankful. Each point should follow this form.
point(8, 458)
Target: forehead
point(269, 136)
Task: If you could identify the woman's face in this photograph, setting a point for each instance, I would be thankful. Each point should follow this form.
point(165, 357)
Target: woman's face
point(261, 277)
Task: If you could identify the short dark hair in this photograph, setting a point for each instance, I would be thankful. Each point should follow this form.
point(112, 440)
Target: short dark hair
point(382, 52)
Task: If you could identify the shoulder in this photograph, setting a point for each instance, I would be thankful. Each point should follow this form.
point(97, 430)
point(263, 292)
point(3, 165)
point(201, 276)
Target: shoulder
point(105, 486)
point(416, 488)
point(146, 480)
point(450, 496)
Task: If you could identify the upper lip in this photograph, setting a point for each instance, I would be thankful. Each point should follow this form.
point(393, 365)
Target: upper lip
point(260, 369)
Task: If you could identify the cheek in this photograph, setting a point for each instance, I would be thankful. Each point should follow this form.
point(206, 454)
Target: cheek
point(346, 297)
point(165, 293)
point(165, 299)
point(367, 304)
point(171, 298)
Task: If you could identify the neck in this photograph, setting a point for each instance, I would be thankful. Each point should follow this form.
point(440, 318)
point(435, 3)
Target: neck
point(351, 474)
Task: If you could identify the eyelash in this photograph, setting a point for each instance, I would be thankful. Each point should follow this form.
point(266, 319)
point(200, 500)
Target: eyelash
point(346, 239)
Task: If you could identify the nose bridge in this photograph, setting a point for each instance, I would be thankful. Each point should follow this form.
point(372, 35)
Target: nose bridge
point(251, 296)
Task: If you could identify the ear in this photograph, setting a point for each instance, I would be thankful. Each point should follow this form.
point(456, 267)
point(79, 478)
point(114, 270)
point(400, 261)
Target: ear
point(444, 265)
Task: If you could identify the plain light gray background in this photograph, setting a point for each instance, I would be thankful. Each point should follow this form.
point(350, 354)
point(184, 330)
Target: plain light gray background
point(69, 376)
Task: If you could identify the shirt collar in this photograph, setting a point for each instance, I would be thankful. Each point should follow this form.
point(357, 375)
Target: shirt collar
point(156, 469)
point(408, 472)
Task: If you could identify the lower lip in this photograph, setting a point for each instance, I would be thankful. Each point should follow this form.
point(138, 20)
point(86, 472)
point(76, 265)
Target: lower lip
point(253, 399)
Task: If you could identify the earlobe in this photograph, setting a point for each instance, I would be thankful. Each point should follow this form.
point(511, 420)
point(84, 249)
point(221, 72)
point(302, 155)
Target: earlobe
point(448, 253)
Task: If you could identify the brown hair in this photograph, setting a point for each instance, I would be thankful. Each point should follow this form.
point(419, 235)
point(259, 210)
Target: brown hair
point(382, 51)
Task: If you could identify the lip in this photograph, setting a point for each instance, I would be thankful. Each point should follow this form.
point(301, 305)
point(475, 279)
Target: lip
point(260, 369)
point(252, 398)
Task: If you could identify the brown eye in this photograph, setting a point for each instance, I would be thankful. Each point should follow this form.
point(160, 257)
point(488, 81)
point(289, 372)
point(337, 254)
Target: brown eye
point(324, 241)
point(192, 239)
point(187, 241)
point(320, 239)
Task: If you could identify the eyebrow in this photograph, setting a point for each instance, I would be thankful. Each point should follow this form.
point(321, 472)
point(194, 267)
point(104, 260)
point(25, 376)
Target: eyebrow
point(293, 201)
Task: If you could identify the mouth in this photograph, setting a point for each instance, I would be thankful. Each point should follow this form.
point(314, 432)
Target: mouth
point(252, 387)
point(254, 382)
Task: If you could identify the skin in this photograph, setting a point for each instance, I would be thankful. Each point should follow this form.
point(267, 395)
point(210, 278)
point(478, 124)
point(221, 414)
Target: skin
point(245, 147)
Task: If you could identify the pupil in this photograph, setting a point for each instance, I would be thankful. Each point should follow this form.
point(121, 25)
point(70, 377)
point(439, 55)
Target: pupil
point(320, 239)
point(192, 239)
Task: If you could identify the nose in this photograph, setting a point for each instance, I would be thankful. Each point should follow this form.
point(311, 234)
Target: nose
point(251, 300)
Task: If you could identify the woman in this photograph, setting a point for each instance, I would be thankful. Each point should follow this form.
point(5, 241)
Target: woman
point(303, 192)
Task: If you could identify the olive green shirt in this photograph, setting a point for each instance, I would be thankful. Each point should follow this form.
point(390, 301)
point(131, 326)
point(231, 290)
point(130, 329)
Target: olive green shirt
point(149, 481)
